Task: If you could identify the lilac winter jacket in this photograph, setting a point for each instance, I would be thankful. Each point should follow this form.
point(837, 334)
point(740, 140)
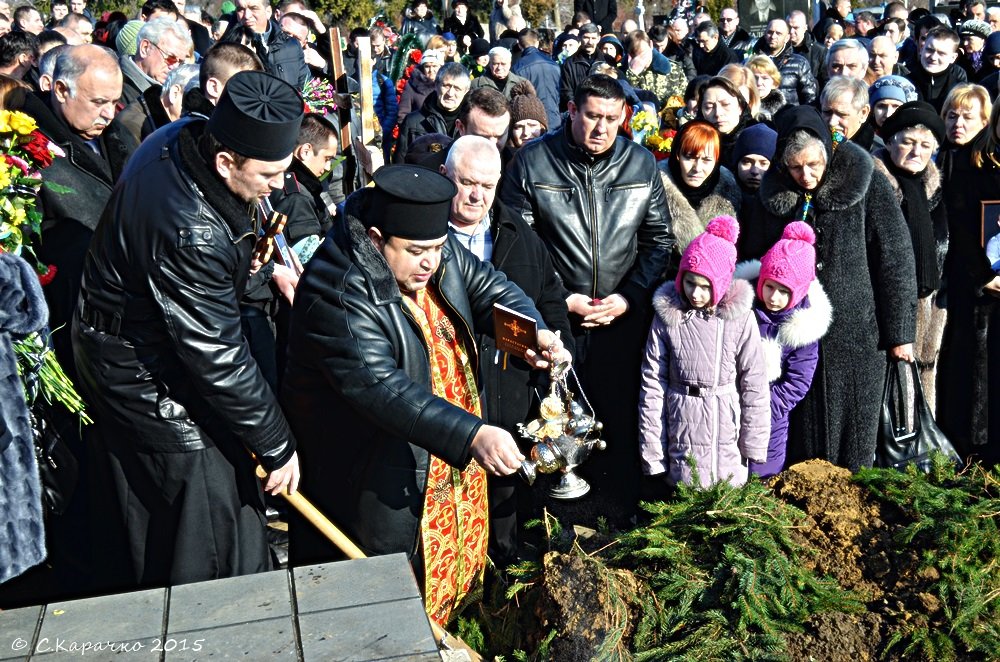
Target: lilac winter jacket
point(791, 352)
point(704, 392)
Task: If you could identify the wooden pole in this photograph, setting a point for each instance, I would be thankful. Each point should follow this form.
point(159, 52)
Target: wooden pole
point(343, 110)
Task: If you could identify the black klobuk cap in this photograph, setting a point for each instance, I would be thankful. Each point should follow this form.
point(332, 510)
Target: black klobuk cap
point(258, 116)
point(411, 202)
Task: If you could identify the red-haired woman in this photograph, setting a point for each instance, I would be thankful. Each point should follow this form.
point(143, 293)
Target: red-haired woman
point(697, 185)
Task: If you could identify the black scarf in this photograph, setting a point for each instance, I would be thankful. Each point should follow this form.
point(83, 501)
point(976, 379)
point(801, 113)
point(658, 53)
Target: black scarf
point(916, 210)
point(694, 195)
point(449, 115)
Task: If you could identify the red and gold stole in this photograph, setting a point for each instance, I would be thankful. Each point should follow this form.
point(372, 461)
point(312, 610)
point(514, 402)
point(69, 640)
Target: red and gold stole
point(455, 524)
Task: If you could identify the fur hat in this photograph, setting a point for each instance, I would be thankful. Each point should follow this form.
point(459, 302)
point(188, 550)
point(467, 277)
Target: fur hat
point(479, 48)
point(525, 105)
point(791, 262)
point(911, 114)
point(712, 254)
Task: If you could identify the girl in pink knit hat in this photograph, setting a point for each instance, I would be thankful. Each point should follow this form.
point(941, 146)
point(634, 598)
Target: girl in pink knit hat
point(704, 394)
point(793, 313)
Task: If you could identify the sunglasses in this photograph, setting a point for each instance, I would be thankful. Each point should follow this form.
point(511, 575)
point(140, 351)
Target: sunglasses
point(171, 60)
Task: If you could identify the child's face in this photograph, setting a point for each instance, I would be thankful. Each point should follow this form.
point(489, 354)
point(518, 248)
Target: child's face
point(697, 290)
point(775, 296)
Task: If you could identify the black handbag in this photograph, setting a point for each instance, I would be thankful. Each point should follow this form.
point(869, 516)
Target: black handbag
point(907, 431)
point(57, 466)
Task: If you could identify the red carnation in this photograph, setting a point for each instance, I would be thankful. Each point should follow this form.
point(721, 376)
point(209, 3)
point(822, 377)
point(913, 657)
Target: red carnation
point(416, 56)
point(38, 149)
point(50, 273)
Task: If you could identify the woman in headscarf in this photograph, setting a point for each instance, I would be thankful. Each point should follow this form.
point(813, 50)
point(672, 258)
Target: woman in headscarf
point(864, 260)
point(698, 187)
point(970, 381)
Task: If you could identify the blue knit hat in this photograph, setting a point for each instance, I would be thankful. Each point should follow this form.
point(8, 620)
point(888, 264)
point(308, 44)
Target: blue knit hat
point(892, 87)
point(758, 139)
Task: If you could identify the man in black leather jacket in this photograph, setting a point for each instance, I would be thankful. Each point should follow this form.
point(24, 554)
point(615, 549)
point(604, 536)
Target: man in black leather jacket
point(596, 199)
point(178, 401)
point(494, 234)
point(361, 390)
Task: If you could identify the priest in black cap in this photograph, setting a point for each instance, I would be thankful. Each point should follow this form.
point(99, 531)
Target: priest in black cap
point(179, 403)
point(381, 384)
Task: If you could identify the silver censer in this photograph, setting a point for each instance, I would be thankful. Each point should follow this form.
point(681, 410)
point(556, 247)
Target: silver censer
point(564, 436)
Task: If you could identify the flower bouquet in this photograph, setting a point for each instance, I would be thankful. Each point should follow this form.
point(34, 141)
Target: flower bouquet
point(25, 152)
point(646, 131)
point(319, 96)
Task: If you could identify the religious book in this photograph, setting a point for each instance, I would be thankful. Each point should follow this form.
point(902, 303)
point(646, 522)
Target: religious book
point(515, 332)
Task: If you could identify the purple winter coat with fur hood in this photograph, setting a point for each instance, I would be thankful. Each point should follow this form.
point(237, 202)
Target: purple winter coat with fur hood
point(704, 391)
point(791, 352)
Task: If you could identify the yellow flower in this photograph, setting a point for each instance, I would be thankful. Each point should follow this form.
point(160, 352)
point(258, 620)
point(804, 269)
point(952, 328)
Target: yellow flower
point(21, 123)
point(4, 176)
point(4, 124)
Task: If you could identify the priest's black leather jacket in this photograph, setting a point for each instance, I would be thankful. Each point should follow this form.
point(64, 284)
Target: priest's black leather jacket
point(157, 336)
point(358, 385)
point(604, 218)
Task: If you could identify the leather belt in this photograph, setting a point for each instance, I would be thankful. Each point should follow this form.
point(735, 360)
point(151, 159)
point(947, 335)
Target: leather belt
point(704, 391)
point(100, 320)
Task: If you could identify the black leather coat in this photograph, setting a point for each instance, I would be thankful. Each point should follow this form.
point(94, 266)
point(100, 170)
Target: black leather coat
point(358, 385)
point(603, 219)
point(157, 337)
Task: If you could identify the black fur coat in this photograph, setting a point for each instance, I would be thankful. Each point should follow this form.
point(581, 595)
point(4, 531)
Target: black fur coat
point(22, 530)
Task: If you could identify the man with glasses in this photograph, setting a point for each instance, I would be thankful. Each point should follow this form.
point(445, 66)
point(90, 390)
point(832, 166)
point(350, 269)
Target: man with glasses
point(733, 36)
point(162, 45)
point(282, 53)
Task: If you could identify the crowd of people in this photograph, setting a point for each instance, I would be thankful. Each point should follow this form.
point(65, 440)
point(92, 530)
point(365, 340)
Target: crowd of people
point(727, 235)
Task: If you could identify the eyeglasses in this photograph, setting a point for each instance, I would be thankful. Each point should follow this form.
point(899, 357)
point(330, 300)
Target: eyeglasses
point(171, 60)
point(726, 19)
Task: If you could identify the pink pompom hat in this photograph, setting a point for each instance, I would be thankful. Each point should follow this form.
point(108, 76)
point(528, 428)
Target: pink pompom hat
point(791, 262)
point(712, 254)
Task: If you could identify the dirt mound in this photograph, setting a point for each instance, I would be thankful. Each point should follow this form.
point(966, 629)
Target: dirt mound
point(585, 607)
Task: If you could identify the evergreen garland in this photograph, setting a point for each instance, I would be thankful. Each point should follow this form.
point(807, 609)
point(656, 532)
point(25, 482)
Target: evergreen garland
point(726, 576)
point(954, 519)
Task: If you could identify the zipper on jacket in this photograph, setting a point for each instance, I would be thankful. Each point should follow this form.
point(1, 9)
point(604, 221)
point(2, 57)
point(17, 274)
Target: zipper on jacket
point(719, 328)
point(593, 230)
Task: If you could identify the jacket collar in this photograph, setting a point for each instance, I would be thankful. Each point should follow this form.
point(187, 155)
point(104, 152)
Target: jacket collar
point(77, 150)
point(305, 178)
point(234, 212)
point(803, 325)
point(671, 308)
point(154, 108)
point(841, 187)
point(132, 71)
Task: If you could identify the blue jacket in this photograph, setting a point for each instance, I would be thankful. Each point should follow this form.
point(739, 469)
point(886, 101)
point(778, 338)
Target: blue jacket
point(544, 73)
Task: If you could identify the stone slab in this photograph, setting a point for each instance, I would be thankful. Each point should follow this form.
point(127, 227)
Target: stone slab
point(17, 631)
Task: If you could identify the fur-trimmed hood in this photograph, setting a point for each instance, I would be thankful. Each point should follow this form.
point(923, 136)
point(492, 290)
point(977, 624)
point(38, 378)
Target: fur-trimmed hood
point(803, 325)
point(931, 178)
point(686, 222)
point(671, 307)
point(844, 184)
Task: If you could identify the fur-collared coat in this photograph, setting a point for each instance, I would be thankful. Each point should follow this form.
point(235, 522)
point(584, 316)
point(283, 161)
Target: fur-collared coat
point(22, 529)
point(791, 350)
point(865, 262)
point(688, 222)
point(932, 188)
point(704, 392)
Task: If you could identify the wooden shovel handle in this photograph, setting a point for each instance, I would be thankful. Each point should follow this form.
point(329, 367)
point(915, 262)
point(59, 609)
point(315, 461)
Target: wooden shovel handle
point(344, 544)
